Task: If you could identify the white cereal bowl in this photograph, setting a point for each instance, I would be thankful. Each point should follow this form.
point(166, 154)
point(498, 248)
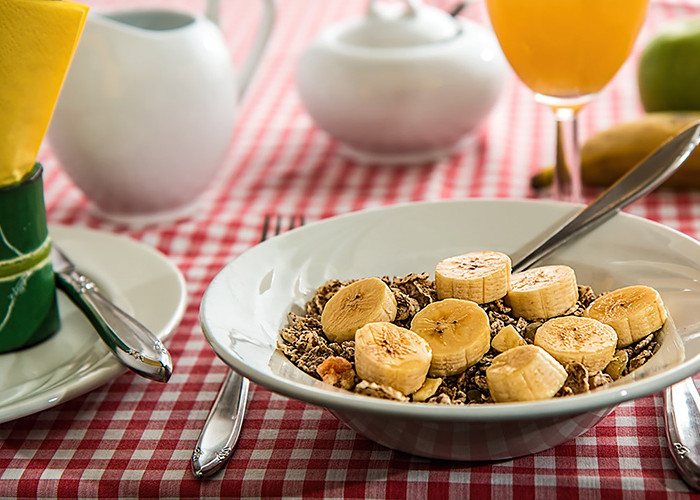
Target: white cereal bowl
point(247, 303)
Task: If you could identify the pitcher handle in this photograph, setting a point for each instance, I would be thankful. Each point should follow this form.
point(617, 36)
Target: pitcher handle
point(249, 66)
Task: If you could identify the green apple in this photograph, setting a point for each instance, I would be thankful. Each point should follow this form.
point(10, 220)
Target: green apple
point(669, 68)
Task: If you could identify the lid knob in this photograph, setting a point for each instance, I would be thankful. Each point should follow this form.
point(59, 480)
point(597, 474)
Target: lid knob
point(404, 23)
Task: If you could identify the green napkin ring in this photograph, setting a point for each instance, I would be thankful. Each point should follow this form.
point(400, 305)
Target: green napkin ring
point(28, 311)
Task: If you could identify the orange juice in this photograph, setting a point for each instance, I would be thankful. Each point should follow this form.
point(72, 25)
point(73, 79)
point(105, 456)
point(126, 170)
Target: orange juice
point(566, 48)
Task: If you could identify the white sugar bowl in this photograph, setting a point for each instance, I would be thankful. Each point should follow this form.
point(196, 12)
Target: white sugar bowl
point(403, 84)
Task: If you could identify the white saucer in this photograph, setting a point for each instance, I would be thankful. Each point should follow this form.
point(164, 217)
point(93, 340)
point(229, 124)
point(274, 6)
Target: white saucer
point(74, 361)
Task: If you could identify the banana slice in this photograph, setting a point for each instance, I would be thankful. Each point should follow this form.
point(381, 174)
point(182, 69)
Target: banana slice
point(458, 333)
point(634, 312)
point(524, 373)
point(353, 306)
point(390, 355)
point(478, 276)
point(585, 340)
point(429, 387)
point(542, 292)
point(507, 338)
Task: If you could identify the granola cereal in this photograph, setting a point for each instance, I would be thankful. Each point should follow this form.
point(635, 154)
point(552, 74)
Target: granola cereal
point(599, 380)
point(305, 345)
point(379, 391)
point(338, 372)
point(577, 380)
point(303, 342)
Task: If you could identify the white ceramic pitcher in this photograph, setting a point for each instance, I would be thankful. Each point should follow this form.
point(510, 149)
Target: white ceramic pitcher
point(147, 110)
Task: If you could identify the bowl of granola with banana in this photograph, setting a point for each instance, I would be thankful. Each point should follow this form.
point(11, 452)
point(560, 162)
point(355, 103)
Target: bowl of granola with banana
point(407, 323)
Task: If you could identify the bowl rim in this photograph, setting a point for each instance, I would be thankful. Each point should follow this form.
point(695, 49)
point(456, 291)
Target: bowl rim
point(337, 399)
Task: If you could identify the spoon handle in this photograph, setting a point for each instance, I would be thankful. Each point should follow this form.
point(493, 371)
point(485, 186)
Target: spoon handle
point(681, 401)
point(682, 418)
point(645, 177)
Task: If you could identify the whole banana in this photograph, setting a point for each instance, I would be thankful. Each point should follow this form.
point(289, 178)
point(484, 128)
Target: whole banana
point(609, 154)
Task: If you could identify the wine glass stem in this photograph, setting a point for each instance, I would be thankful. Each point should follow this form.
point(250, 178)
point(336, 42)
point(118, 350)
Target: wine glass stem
point(567, 169)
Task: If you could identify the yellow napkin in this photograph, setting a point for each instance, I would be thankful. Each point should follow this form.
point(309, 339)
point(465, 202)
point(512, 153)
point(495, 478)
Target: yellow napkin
point(37, 41)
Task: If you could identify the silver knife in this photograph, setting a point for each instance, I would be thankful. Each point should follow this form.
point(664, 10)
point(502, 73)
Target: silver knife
point(131, 342)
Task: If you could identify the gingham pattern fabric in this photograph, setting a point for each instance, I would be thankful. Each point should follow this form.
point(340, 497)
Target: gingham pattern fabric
point(134, 438)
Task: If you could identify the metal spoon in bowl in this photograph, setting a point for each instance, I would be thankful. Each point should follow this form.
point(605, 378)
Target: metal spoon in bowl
point(681, 401)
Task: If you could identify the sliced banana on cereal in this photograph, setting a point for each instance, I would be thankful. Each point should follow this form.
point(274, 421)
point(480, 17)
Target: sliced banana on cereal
point(542, 292)
point(634, 312)
point(458, 333)
point(387, 354)
point(584, 340)
point(481, 277)
point(507, 338)
point(524, 373)
point(427, 390)
point(353, 306)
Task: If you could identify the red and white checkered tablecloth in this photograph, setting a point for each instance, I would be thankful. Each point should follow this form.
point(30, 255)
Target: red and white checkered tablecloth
point(134, 438)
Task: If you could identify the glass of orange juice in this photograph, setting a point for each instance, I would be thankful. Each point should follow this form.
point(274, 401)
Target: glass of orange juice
point(566, 51)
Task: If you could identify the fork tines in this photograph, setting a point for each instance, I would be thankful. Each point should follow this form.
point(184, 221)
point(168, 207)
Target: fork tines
point(294, 221)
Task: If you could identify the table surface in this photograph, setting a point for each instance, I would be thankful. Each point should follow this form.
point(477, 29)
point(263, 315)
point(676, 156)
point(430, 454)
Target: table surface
point(133, 438)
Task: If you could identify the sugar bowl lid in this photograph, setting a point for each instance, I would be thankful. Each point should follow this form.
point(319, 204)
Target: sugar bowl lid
point(405, 23)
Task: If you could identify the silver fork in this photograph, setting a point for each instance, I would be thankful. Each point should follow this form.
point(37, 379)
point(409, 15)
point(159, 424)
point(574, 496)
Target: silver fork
point(220, 433)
